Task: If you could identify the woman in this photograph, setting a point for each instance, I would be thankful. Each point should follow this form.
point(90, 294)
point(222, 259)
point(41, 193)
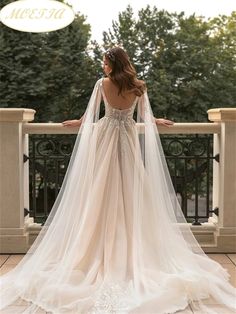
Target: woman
point(121, 89)
point(116, 240)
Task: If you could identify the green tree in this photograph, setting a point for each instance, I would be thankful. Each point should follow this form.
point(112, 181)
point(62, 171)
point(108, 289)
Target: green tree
point(52, 73)
point(223, 77)
point(188, 63)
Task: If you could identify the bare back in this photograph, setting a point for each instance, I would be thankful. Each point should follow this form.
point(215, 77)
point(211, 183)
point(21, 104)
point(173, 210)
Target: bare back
point(124, 101)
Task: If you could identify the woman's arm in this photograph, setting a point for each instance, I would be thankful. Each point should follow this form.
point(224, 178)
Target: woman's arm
point(164, 122)
point(95, 99)
point(158, 121)
point(74, 122)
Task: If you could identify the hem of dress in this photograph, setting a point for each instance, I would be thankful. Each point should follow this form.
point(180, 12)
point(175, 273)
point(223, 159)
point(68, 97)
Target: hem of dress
point(40, 305)
point(173, 310)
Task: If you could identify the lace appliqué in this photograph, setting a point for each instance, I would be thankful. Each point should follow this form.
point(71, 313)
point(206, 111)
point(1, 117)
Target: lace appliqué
point(121, 122)
point(112, 299)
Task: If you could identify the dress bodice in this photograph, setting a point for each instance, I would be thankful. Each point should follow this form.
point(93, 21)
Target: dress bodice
point(118, 114)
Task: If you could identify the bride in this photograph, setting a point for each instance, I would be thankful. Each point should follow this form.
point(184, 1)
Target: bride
point(116, 240)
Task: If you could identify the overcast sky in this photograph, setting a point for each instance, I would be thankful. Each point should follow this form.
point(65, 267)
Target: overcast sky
point(100, 13)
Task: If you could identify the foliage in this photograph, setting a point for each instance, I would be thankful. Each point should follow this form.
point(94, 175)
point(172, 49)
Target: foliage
point(188, 63)
point(52, 73)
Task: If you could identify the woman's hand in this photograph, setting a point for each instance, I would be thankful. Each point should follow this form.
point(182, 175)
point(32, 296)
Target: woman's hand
point(72, 123)
point(164, 122)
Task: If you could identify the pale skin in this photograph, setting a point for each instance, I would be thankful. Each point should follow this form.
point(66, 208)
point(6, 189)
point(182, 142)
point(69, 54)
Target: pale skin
point(111, 92)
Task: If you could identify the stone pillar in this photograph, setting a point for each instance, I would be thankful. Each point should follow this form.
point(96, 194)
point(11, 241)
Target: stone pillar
point(13, 234)
point(224, 187)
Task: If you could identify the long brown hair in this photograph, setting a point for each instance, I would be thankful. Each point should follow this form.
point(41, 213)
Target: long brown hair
point(123, 73)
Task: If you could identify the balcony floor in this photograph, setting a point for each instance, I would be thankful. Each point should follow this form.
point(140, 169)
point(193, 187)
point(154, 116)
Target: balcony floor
point(228, 261)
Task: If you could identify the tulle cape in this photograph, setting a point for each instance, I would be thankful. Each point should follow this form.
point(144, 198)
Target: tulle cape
point(169, 268)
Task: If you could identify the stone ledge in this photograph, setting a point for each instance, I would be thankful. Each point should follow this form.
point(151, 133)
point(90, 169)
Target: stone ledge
point(16, 114)
point(14, 244)
point(222, 114)
point(12, 231)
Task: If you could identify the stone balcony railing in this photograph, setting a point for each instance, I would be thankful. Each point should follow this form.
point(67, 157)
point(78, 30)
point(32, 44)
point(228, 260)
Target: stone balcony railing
point(17, 231)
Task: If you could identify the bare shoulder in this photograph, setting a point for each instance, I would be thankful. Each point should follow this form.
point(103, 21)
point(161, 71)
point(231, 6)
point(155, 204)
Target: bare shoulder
point(107, 81)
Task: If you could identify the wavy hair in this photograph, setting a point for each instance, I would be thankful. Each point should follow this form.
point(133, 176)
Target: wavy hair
point(123, 73)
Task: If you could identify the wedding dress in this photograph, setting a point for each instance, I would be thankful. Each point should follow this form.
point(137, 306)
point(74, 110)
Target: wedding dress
point(116, 240)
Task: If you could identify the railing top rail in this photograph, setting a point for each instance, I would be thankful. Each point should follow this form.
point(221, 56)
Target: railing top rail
point(177, 128)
